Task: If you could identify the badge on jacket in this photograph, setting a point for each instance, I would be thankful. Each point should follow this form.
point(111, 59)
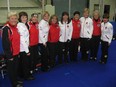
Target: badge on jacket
point(98, 25)
point(86, 22)
point(78, 25)
point(67, 26)
point(105, 27)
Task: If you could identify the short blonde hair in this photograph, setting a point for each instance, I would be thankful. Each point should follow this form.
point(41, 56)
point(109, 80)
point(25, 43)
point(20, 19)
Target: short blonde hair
point(86, 10)
point(12, 14)
point(96, 12)
point(46, 12)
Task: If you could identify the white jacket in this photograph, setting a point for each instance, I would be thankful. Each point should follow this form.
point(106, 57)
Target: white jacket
point(43, 31)
point(24, 37)
point(65, 31)
point(106, 32)
point(86, 27)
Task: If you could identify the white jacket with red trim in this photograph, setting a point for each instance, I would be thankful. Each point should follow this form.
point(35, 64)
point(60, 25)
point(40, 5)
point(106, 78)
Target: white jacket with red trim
point(65, 31)
point(43, 31)
point(24, 37)
point(86, 27)
point(106, 32)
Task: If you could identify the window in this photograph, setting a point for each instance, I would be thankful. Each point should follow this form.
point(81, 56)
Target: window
point(96, 6)
point(107, 9)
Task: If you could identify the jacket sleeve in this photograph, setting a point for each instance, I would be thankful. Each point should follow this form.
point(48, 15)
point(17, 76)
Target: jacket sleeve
point(6, 43)
point(41, 33)
point(110, 34)
point(24, 40)
point(70, 31)
point(91, 28)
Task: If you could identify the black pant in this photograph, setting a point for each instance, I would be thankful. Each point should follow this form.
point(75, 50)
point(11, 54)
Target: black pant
point(104, 49)
point(24, 66)
point(94, 46)
point(34, 56)
point(53, 50)
point(85, 46)
point(44, 56)
point(12, 67)
point(74, 49)
point(63, 48)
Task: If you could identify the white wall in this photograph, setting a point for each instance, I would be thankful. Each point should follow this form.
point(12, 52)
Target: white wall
point(112, 4)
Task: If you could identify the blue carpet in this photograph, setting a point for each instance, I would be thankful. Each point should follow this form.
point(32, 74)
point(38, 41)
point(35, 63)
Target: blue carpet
point(81, 74)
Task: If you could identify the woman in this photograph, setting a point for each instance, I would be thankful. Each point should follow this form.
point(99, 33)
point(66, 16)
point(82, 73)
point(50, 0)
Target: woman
point(43, 39)
point(34, 40)
point(53, 38)
point(65, 37)
point(106, 38)
point(24, 46)
point(86, 34)
point(95, 40)
point(75, 40)
point(11, 47)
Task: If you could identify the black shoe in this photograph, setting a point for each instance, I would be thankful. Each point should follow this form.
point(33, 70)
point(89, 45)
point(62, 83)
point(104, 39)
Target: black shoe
point(20, 82)
point(102, 62)
point(91, 58)
point(19, 85)
point(44, 70)
point(30, 78)
point(94, 58)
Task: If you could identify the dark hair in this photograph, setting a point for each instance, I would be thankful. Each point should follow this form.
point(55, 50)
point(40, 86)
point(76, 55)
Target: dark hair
point(34, 14)
point(65, 13)
point(106, 16)
point(22, 14)
point(52, 18)
point(76, 12)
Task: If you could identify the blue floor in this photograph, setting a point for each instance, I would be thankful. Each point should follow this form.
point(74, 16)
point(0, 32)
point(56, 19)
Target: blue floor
point(81, 74)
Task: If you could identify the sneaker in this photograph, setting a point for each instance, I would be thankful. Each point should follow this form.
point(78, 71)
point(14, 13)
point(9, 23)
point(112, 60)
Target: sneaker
point(95, 59)
point(102, 62)
point(19, 85)
point(30, 78)
point(91, 58)
point(31, 71)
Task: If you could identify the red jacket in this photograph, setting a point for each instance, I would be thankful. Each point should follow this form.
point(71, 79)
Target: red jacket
point(11, 40)
point(54, 33)
point(96, 27)
point(34, 34)
point(76, 29)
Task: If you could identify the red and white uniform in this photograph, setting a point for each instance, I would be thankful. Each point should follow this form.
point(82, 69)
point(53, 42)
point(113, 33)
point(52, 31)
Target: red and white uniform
point(65, 31)
point(11, 40)
point(96, 27)
point(54, 33)
point(34, 33)
point(76, 29)
point(24, 37)
point(43, 31)
point(106, 32)
point(86, 27)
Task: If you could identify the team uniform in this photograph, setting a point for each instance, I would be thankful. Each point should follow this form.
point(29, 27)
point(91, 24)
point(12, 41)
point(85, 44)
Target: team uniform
point(33, 44)
point(86, 35)
point(53, 38)
point(11, 47)
point(75, 39)
point(65, 37)
point(24, 70)
point(95, 40)
point(106, 38)
point(43, 39)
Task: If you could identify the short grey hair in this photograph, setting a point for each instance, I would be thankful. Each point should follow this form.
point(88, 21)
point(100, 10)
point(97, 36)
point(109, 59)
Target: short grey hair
point(12, 14)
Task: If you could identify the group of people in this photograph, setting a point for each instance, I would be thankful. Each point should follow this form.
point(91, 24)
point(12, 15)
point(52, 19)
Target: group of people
point(25, 40)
